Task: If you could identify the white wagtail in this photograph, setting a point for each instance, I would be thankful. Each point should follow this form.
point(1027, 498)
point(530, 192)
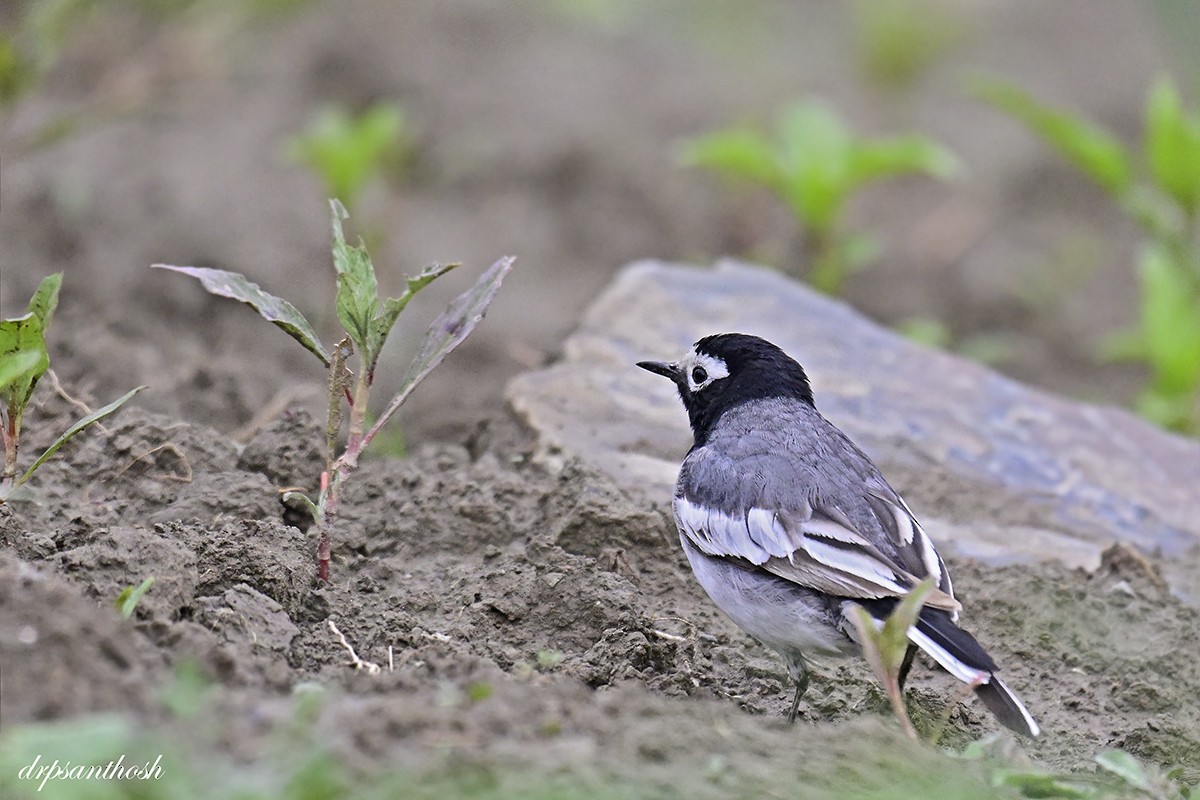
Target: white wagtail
point(787, 524)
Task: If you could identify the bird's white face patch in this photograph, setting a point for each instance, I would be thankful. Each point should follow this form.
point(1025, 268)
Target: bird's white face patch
point(702, 369)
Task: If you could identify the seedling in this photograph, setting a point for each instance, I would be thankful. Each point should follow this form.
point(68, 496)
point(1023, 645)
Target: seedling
point(367, 319)
point(815, 164)
point(130, 596)
point(885, 645)
point(346, 151)
point(898, 41)
point(24, 359)
point(1158, 187)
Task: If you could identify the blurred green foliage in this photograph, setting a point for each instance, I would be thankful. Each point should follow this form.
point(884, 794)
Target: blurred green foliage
point(1157, 184)
point(815, 164)
point(32, 42)
point(348, 151)
point(898, 41)
point(295, 764)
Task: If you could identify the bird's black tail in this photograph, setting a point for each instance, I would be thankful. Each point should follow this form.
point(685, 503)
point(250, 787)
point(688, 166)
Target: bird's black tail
point(964, 658)
point(957, 651)
point(1011, 712)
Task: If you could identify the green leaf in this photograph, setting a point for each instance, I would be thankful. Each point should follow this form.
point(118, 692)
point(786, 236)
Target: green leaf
point(1170, 321)
point(382, 325)
point(45, 299)
point(1088, 147)
point(306, 501)
point(927, 331)
point(275, 310)
point(346, 152)
point(98, 414)
point(18, 336)
point(187, 691)
point(446, 333)
point(902, 155)
point(357, 292)
point(17, 364)
point(893, 637)
point(130, 596)
point(898, 41)
point(1036, 784)
point(27, 334)
point(735, 153)
point(814, 155)
point(1172, 146)
point(1126, 767)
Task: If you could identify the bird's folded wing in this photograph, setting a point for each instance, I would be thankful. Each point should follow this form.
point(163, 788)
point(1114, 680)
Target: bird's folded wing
point(913, 547)
point(816, 548)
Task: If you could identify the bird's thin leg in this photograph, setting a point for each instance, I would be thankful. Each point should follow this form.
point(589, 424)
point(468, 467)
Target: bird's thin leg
point(801, 687)
point(905, 666)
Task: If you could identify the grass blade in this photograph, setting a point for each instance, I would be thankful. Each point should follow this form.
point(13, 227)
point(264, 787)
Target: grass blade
point(130, 596)
point(98, 414)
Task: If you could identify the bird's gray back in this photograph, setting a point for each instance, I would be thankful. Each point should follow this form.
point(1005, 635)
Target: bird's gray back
point(781, 454)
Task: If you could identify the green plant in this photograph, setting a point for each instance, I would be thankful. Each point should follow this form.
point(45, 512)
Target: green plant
point(900, 40)
point(1118, 775)
point(127, 601)
point(1157, 185)
point(24, 359)
point(815, 164)
point(346, 151)
point(885, 646)
point(984, 347)
point(368, 320)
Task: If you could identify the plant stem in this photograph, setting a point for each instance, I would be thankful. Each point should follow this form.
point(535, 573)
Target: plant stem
point(358, 414)
point(9, 430)
point(898, 708)
point(331, 479)
point(326, 508)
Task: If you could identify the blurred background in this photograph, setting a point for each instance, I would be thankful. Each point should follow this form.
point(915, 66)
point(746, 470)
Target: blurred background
point(995, 177)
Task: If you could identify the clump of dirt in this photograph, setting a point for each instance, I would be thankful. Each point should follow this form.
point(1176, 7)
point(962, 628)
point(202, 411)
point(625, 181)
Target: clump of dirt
point(513, 610)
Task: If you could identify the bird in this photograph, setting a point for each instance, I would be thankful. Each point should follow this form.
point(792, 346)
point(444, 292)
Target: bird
point(788, 525)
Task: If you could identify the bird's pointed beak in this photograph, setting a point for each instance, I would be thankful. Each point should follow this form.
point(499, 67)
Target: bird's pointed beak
point(661, 368)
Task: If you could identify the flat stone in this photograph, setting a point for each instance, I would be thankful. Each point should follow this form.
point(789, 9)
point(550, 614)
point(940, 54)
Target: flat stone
point(994, 469)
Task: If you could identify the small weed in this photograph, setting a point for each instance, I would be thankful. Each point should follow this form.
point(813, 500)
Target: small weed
point(549, 658)
point(884, 646)
point(984, 347)
point(130, 596)
point(898, 41)
point(479, 691)
point(815, 164)
point(1158, 187)
point(346, 152)
point(368, 320)
point(24, 359)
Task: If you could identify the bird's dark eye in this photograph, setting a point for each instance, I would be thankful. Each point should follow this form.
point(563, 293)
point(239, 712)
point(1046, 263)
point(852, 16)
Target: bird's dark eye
point(699, 375)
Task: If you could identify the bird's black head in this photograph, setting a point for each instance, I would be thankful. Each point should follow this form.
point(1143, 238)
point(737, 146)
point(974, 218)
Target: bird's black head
point(727, 369)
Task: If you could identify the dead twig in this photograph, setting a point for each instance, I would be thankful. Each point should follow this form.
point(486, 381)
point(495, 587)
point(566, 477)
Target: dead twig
point(183, 476)
point(370, 666)
point(278, 403)
point(73, 401)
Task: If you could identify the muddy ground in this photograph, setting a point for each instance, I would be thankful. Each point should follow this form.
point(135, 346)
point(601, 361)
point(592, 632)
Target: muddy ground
point(534, 617)
point(518, 617)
